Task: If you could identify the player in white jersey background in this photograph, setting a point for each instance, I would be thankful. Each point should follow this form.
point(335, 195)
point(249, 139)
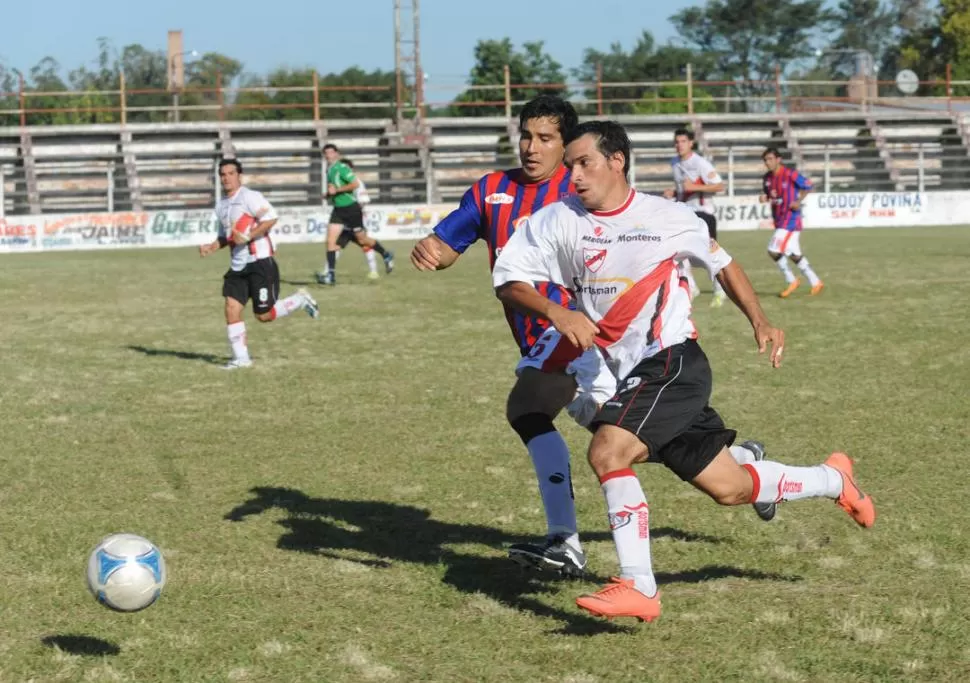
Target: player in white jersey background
point(245, 222)
point(618, 250)
point(696, 181)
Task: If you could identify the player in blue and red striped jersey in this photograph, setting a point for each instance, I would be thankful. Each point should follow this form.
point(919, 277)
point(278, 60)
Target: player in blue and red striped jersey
point(549, 373)
point(785, 188)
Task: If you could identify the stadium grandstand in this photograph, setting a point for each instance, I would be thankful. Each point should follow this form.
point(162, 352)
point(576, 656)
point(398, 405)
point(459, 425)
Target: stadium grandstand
point(875, 144)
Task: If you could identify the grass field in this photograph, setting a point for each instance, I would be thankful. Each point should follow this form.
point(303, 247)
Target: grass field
point(339, 511)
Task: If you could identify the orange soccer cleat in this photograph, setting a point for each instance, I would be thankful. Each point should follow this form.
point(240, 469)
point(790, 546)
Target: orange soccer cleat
point(621, 599)
point(852, 499)
point(790, 289)
point(817, 288)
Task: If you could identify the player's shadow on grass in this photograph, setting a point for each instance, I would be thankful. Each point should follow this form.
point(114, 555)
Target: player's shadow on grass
point(378, 534)
point(183, 355)
point(81, 645)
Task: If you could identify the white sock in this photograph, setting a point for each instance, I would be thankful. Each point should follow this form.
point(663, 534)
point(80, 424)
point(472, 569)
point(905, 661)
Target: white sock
point(630, 522)
point(785, 269)
point(718, 289)
point(550, 457)
point(371, 260)
point(742, 455)
point(809, 273)
point(284, 307)
point(237, 340)
point(774, 482)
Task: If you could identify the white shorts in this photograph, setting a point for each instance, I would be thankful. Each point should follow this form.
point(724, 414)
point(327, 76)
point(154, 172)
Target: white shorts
point(595, 384)
point(786, 242)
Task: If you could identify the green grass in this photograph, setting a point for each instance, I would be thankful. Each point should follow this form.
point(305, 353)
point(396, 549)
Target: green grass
point(339, 512)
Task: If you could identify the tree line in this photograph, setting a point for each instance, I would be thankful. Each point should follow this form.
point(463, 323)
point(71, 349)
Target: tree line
point(740, 43)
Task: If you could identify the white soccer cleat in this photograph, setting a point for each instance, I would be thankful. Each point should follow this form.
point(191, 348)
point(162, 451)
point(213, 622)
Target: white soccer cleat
point(236, 364)
point(309, 304)
point(372, 275)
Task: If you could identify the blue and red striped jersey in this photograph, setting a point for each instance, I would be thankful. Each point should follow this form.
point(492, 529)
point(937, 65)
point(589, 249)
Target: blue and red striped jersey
point(782, 191)
point(491, 210)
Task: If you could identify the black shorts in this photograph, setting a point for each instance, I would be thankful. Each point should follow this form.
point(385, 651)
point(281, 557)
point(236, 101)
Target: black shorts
point(259, 281)
point(351, 217)
point(347, 236)
point(664, 402)
point(711, 221)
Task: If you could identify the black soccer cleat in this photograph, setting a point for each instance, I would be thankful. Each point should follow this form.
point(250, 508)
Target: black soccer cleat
point(765, 510)
point(555, 555)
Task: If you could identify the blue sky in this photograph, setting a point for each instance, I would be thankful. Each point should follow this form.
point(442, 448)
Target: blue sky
point(328, 34)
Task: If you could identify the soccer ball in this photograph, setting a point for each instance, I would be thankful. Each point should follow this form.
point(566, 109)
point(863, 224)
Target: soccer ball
point(126, 572)
point(242, 226)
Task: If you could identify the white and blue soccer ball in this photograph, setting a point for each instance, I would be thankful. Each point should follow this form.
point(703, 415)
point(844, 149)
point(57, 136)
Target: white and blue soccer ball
point(126, 572)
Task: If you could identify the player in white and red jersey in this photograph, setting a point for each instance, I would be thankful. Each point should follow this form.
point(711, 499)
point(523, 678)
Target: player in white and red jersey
point(617, 251)
point(245, 221)
point(696, 181)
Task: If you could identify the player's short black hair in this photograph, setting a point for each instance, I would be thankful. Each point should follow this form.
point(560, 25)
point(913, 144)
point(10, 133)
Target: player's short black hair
point(330, 145)
point(689, 134)
point(611, 138)
point(230, 162)
point(549, 106)
point(770, 150)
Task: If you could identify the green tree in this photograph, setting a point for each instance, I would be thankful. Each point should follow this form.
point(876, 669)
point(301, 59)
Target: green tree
point(9, 86)
point(529, 66)
point(867, 25)
point(748, 39)
point(44, 80)
point(209, 82)
point(933, 40)
point(376, 89)
point(644, 63)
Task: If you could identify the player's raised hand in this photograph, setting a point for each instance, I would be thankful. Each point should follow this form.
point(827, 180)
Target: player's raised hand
point(576, 327)
point(426, 254)
point(774, 337)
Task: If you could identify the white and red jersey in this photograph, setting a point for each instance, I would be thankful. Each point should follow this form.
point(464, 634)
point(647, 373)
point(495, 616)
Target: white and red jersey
point(695, 169)
point(621, 267)
point(245, 205)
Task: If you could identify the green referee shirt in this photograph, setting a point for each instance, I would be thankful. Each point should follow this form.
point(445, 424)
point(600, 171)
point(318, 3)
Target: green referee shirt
point(338, 174)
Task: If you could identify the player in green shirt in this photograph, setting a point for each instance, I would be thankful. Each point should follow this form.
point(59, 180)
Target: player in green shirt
point(346, 214)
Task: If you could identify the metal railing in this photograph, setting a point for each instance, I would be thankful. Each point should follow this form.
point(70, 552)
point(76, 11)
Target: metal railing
point(316, 102)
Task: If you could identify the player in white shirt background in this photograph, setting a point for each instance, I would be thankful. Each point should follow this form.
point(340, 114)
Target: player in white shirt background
point(245, 221)
point(696, 181)
point(618, 251)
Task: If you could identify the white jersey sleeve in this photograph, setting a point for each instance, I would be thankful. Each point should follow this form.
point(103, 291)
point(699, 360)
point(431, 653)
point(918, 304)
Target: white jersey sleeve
point(694, 243)
point(257, 205)
point(533, 252)
point(706, 171)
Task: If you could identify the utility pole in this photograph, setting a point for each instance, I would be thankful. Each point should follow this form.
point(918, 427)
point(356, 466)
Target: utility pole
point(407, 58)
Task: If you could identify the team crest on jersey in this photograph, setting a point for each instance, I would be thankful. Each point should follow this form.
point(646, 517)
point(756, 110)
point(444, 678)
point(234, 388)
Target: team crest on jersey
point(598, 231)
point(712, 175)
point(593, 258)
point(499, 198)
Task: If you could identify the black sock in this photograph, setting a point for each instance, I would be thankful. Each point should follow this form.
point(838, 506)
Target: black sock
point(332, 260)
point(379, 248)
